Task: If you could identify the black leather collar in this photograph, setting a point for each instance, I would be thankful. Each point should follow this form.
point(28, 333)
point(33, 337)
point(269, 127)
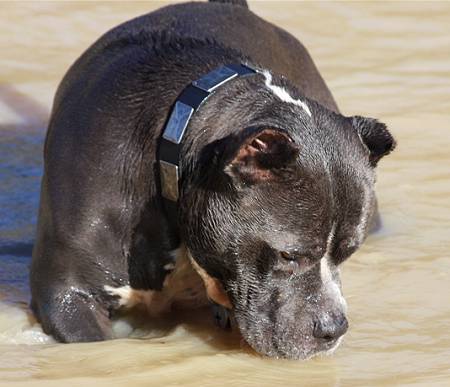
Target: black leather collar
point(185, 106)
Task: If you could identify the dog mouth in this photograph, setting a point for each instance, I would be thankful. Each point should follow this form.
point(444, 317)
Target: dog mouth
point(266, 340)
point(328, 350)
point(290, 342)
point(333, 347)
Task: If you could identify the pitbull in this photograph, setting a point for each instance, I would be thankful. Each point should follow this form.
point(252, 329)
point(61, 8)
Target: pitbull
point(195, 155)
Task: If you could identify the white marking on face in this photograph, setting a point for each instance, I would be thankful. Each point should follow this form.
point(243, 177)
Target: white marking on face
point(282, 94)
point(182, 289)
point(328, 282)
point(330, 239)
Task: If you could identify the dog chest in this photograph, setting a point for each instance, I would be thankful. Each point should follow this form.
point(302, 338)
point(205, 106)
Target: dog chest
point(183, 289)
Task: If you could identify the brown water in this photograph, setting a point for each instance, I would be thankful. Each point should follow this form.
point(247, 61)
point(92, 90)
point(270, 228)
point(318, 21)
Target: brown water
point(387, 60)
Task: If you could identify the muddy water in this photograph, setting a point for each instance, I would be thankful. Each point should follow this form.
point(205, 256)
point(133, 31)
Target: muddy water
point(388, 60)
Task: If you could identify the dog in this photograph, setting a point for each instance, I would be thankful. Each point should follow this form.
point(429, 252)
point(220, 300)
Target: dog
point(195, 156)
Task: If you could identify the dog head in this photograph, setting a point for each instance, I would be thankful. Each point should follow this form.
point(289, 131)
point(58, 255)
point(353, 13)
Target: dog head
point(277, 192)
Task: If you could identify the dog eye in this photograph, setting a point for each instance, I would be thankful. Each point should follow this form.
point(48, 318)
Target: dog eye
point(288, 256)
point(296, 259)
point(296, 256)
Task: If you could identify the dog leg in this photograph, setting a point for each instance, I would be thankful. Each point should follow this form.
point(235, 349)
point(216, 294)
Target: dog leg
point(74, 315)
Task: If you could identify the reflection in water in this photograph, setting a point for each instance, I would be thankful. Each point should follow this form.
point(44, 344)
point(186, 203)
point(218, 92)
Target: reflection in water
point(388, 60)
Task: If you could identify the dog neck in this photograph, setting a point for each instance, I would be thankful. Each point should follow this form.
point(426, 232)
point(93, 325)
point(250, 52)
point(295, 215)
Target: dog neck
point(187, 103)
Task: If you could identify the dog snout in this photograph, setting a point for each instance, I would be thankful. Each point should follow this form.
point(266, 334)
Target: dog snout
point(329, 328)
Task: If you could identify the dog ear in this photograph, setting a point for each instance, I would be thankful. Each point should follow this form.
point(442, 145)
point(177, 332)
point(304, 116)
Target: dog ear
point(263, 156)
point(374, 136)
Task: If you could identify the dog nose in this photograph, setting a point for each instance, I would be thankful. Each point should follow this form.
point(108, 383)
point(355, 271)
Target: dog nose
point(330, 328)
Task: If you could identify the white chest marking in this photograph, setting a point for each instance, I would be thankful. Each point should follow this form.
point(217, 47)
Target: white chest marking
point(182, 289)
point(283, 94)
